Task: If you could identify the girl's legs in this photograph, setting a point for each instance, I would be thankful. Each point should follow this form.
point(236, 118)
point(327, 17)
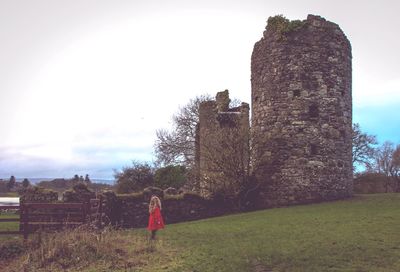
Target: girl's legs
point(153, 234)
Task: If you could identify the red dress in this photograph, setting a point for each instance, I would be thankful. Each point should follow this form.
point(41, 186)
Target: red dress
point(156, 221)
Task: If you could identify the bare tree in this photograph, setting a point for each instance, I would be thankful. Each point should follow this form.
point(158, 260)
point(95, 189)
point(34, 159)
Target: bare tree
point(177, 146)
point(134, 178)
point(363, 147)
point(227, 161)
point(386, 161)
point(395, 173)
point(383, 158)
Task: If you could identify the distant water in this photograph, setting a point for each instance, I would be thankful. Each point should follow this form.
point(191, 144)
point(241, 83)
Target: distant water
point(106, 181)
point(5, 201)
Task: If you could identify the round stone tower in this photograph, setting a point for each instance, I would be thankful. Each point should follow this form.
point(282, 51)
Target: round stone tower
point(301, 112)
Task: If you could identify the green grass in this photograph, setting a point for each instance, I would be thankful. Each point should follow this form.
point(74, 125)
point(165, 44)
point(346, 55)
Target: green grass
point(360, 234)
point(9, 194)
point(4, 226)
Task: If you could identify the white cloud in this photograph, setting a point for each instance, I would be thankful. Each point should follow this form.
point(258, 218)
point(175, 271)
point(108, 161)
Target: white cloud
point(376, 91)
point(109, 89)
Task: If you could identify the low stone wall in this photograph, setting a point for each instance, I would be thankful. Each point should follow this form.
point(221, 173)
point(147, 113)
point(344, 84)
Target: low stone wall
point(38, 195)
point(78, 194)
point(376, 187)
point(374, 183)
point(131, 210)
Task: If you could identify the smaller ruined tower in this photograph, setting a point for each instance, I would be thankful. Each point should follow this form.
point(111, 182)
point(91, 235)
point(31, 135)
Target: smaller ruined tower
point(222, 145)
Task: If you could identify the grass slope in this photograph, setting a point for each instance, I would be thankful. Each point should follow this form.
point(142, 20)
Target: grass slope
point(360, 234)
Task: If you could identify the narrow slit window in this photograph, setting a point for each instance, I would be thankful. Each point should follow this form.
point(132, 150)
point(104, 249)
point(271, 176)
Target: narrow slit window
point(313, 111)
point(296, 93)
point(343, 134)
point(313, 149)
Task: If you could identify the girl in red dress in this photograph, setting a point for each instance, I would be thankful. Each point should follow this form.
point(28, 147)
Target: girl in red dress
point(156, 221)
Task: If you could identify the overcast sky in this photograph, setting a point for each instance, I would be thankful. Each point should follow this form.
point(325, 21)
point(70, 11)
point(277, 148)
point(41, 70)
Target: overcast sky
point(84, 84)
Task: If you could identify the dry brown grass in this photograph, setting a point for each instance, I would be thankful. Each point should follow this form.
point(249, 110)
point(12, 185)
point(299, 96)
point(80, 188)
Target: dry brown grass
point(84, 249)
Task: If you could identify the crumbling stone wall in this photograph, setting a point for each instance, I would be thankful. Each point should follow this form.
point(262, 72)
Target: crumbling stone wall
point(131, 210)
point(301, 112)
point(79, 193)
point(222, 143)
point(373, 183)
point(38, 195)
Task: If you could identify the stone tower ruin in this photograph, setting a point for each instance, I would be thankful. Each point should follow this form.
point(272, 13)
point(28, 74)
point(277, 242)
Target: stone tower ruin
point(301, 112)
point(222, 153)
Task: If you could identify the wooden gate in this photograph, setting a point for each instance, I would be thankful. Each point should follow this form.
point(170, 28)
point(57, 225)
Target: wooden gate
point(55, 216)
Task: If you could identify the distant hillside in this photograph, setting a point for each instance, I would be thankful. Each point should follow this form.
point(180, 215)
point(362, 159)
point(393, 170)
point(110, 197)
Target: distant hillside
point(61, 185)
point(37, 180)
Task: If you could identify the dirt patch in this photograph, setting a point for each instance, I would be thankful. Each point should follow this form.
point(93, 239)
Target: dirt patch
point(259, 267)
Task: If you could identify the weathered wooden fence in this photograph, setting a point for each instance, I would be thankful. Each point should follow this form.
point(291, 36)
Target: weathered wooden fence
point(54, 216)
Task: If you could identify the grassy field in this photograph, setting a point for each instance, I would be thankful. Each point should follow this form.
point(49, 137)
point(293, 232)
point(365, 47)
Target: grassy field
point(359, 234)
point(8, 225)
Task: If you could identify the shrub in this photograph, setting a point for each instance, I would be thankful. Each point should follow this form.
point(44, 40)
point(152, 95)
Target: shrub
point(170, 176)
point(134, 178)
point(283, 26)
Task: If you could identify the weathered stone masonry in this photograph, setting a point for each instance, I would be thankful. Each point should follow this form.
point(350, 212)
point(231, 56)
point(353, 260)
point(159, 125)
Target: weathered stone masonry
point(301, 112)
point(223, 140)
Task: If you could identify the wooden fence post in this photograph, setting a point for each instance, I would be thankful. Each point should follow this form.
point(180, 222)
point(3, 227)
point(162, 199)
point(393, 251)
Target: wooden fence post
point(24, 214)
point(86, 211)
point(100, 211)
